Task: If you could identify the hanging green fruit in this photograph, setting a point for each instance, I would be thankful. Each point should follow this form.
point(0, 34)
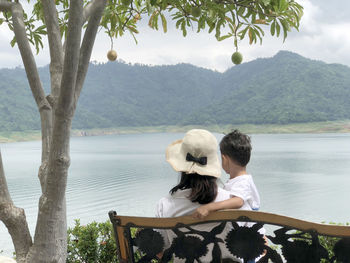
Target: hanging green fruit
point(237, 58)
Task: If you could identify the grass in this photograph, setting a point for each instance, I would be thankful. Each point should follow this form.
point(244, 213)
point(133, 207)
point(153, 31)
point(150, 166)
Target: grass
point(19, 136)
point(313, 127)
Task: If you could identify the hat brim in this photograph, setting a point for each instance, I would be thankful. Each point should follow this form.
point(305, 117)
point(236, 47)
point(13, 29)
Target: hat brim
point(177, 159)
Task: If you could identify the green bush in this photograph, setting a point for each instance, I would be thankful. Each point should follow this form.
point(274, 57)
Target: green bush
point(327, 242)
point(91, 243)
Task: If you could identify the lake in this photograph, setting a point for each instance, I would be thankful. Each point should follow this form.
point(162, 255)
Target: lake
point(306, 176)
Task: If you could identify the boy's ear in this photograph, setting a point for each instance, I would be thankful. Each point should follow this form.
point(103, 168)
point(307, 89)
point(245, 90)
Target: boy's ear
point(224, 157)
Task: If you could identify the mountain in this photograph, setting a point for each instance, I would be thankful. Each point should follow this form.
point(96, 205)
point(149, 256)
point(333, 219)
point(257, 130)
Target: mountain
point(286, 88)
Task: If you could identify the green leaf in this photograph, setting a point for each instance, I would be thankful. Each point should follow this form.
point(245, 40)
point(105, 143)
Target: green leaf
point(183, 28)
point(133, 29)
point(273, 28)
point(13, 42)
point(218, 26)
point(164, 23)
point(178, 23)
point(113, 22)
point(241, 11)
point(201, 23)
point(211, 25)
point(283, 5)
point(278, 29)
point(250, 34)
point(150, 22)
point(155, 21)
point(286, 28)
point(261, 32)
point(221, 38)
point(243, 32)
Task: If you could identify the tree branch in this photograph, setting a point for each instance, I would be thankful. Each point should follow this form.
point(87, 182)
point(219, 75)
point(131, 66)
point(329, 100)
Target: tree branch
point(4, 192)
point(5, 6)
point(59, 150)
point(71, 58)
point(34, 81)
point(55, 44)
point(14, 218)
point(87, 45)
point(91, 8)
point(27, 57)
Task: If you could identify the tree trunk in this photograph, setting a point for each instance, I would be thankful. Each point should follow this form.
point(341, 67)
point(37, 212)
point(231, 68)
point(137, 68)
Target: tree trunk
point(50, 240)
point(68, 69)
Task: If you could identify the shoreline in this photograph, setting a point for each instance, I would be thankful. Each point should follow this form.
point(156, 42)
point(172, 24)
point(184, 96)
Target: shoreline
point(310, 127)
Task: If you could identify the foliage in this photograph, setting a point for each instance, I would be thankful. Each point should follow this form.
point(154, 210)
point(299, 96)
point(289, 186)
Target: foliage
point(328, 242)
point(234, 19)
point(280, 90)
point(91, 243)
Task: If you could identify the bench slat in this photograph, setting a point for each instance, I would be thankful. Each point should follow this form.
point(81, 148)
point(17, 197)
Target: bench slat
point(229, 235)
point(228, 215)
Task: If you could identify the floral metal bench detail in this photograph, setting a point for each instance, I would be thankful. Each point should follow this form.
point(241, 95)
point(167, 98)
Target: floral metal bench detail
point(139, 239)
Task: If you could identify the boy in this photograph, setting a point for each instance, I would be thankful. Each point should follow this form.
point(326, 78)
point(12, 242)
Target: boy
point(235, 151)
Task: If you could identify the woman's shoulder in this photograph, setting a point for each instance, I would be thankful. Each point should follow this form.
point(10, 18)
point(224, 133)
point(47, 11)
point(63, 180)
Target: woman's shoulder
point(162, 205)
point(222, 195)
point(165, 200)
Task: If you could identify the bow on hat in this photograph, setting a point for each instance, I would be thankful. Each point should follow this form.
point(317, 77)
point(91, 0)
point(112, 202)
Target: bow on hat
point(200, 160)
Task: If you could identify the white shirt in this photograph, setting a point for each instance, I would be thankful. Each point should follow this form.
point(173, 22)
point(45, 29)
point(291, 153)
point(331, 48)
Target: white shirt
point(178, 204)
point(243, 186)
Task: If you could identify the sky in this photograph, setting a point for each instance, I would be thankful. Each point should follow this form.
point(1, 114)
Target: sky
point(324, 35)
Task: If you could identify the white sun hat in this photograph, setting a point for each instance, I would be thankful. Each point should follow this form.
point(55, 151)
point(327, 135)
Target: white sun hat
point(195, 153)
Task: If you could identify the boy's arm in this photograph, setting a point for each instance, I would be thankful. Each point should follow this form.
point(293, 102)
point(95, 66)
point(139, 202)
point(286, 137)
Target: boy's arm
point(232, 203)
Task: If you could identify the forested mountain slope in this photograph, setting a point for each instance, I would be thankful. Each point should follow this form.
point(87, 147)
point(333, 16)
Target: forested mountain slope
point(286, 88)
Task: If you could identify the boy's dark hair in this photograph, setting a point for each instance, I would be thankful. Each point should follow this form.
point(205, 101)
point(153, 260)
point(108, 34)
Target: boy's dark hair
point(237, 147)
point(204, 188)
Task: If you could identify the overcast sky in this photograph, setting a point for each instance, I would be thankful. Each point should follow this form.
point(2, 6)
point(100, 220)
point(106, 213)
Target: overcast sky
point(324, 35)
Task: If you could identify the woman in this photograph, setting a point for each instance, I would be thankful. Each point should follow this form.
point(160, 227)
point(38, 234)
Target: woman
point(195, 156)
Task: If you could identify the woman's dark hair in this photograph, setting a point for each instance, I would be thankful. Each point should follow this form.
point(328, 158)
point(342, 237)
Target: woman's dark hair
point(204, 188)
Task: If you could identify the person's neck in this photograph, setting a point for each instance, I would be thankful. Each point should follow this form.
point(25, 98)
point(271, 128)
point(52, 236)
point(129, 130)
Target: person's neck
point(238, 172)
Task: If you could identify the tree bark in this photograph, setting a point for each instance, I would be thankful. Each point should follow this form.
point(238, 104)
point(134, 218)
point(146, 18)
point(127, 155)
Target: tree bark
point(56, 68)
point(56, 112)
point(32, 73)
point(50, 240)
point(55, 46)
point(88, 43)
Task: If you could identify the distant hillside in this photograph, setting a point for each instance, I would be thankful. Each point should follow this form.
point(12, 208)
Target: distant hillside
point(286, 88)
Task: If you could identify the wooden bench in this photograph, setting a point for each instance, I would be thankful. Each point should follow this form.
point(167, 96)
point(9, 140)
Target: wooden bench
point(289, 239)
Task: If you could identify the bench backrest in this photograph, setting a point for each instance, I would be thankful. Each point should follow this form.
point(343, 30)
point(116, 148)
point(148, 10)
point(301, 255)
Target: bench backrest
point(140, 239)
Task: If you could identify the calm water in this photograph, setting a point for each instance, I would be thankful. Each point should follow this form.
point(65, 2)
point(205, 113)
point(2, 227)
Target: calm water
point(301, 175)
